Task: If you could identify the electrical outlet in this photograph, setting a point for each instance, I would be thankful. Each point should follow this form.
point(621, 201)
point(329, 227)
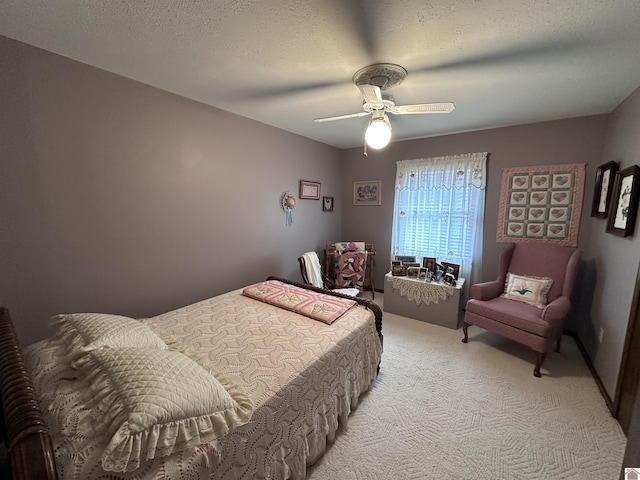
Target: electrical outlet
point(600, 335)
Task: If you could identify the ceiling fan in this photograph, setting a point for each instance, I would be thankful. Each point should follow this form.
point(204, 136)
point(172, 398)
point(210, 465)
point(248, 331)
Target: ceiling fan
point(372, 81)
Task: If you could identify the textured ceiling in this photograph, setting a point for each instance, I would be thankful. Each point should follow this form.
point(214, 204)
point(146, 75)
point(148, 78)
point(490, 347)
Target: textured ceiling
point(286, 62)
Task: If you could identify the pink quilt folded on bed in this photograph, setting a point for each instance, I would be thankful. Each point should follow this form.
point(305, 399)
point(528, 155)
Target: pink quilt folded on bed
point(318, 306)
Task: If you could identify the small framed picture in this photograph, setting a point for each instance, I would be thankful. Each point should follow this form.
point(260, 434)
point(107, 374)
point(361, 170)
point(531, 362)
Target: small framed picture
point(423, 274)
point(412, 272)
point(429, 263)
point(367, 192)
point(327, 204)
point(605, 178)
point(455, 269)
point(449, 279)
point(406, 258)
point(309, 190)
point(411, 264)
point(624, 202)
point(398, 270)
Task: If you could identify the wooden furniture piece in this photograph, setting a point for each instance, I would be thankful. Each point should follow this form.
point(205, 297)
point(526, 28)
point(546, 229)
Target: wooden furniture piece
point(537, 327)
point(312, 274)
point(371, 253)
point(429, 302)
point(22, 429)
point(252, 447)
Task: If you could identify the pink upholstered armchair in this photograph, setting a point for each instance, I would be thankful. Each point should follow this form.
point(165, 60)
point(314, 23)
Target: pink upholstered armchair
point(514, 305)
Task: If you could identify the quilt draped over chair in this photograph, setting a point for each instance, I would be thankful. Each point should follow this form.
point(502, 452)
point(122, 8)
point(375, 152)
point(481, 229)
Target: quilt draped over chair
point(312, 274)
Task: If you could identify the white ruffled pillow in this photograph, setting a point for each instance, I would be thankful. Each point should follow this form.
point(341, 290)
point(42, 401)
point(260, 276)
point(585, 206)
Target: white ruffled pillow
point(154, 402)
point(530, 290)
point(84, 332)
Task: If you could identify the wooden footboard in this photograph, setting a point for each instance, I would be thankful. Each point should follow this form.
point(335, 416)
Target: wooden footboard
point(23, 428)
point(369, 304)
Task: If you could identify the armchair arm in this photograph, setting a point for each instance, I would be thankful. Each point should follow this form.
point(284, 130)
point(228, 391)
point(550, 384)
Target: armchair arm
point(487, 290)
point(556, 310)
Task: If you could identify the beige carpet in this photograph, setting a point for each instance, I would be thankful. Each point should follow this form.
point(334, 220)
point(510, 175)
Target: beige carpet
point(441, 409)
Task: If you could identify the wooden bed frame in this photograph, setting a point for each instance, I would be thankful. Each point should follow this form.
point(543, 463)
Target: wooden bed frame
point(23, 429)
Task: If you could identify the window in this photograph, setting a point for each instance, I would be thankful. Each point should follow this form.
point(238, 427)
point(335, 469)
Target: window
point(438, 211)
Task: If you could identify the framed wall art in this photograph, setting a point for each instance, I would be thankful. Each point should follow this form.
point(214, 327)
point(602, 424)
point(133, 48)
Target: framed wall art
point(309, 190)
point(327, 204)
point(367, 192)
point(541, 203)
point(605, 178)
point(624, 202)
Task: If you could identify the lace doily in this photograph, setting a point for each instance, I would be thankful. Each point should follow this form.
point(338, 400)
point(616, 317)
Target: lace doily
point(419, 291)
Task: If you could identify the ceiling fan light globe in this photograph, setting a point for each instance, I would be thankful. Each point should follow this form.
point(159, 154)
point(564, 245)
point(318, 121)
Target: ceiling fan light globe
point(378, 134)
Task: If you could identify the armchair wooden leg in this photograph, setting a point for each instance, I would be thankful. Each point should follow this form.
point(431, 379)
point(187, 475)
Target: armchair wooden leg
point(540, 356)
point(465, 326)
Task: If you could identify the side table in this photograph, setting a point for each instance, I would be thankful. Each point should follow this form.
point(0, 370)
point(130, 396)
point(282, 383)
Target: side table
point(430, 302)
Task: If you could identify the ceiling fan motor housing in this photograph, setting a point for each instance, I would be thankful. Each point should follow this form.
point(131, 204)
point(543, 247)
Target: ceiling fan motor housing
point(387, 104)
point(383, 75)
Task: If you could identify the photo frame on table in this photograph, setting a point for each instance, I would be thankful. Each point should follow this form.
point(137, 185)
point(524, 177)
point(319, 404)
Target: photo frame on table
point(368, 192)
point(605, 179)
point(309, 190)
point(624, 202)
point(454, 266)
point(429, 263)
point(423, 274)
point(405, 258)
point(327, 204)
point(398, 270)
point(412, 272)
point(449, 279)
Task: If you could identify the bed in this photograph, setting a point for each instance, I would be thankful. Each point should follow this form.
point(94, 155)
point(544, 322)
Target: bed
point(283, 382)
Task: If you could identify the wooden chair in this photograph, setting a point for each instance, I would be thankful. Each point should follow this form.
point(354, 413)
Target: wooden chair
point(329, 263)
point(312, 275)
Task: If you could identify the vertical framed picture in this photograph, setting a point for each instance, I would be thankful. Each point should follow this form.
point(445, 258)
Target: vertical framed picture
point(327, 204)
point(423, 274)
point(605, 179)
point(309, 190)
point(367, 192)
point(624, 202)
point(429, 263)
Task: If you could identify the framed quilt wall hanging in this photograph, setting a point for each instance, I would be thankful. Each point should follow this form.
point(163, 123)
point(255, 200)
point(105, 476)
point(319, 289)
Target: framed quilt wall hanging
point(541, 203)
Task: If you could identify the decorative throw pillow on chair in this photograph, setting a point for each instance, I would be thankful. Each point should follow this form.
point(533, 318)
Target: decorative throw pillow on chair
point(531, 290)
point(350, 268)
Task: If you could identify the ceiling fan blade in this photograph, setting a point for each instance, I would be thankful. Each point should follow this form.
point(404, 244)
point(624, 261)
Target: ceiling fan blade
point(340, 117)
point(372, 95)
point(444, 107)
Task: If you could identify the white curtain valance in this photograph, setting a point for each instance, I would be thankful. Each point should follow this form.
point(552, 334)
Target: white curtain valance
point(452, 171)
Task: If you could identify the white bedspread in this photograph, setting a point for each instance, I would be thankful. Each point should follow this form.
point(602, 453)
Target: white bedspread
point(303, 377)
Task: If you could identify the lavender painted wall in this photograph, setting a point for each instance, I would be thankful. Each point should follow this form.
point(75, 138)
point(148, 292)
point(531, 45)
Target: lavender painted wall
point(578, 140)
point(122, 198)
point(613, 261)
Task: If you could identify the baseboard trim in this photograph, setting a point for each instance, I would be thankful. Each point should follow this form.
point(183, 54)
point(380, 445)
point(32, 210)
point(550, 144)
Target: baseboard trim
point(592, 369)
